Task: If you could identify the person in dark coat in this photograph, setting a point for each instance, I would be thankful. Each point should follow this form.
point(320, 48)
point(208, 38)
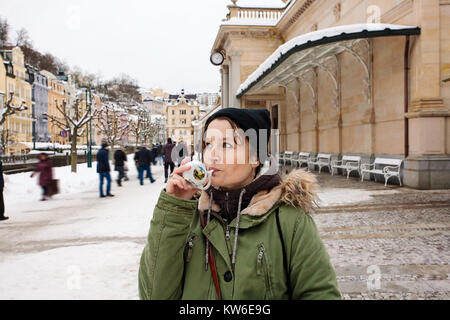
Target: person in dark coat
point(44, 168)
point(103, 169)
point(120, 158)
point(2, 203)
point(167, 153)
point(145, 157)
point(159, 155)
point(154, 152)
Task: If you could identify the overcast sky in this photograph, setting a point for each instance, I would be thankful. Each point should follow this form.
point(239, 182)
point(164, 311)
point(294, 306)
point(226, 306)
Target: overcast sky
point(163, 44)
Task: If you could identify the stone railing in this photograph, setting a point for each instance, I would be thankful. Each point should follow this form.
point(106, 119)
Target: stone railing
point(255, 13)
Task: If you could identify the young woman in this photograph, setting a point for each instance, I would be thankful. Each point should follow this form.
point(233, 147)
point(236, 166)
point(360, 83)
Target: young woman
point(248, 236)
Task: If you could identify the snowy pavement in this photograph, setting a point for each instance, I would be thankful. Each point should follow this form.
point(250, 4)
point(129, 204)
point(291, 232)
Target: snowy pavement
point(76, 246)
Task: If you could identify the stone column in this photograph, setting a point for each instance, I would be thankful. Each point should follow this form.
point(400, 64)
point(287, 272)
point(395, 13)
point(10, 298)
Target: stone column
point(235, 78)
point(427, 165)
point(282, 116)
point(225, 87)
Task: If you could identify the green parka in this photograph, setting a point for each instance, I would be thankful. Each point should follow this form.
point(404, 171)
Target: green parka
point(173, 262)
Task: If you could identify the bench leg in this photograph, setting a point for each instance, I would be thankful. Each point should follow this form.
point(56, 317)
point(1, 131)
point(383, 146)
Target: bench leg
point(386, 179)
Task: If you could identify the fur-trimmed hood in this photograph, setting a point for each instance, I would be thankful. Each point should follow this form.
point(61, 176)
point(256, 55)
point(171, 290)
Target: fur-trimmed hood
point(297, 189)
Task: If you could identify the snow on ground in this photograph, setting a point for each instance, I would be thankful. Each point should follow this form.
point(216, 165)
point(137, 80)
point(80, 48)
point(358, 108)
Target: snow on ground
point(20, 186)
point(75, 246)
point(343, 196)
point(78, 246)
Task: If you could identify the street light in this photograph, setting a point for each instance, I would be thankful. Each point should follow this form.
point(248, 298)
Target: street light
point(89, 137)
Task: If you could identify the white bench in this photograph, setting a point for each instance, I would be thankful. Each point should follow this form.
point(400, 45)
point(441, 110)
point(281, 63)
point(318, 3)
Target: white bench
point(347, 164)
point(281, 158)
point(389, 168)
point(287, 157)
point(302, 158)
point(322, 160)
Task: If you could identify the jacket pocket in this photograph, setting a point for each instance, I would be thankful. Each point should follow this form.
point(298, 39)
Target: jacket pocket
point(263, 270)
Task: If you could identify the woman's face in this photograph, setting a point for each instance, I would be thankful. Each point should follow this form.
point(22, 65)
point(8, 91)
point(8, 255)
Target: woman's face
point(228, 155)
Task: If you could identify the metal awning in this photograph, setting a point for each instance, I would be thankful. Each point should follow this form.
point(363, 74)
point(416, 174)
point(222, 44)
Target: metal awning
point(295, 58)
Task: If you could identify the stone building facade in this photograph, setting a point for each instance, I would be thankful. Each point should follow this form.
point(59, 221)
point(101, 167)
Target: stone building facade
point(40, 105)
point(347, 77)
point(17, 81)
point(182, 110)
point(56, 96)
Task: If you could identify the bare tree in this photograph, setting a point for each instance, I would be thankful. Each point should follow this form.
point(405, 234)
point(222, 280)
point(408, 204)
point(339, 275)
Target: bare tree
point(9, 109)
point(5, 136)
point(113, 123)
point(4, 32)
point(23, 38)
point(152, 128)
point(74, 120)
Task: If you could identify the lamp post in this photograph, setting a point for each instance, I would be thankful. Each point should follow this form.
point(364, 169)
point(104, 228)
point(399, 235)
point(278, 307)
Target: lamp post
point(89, 129)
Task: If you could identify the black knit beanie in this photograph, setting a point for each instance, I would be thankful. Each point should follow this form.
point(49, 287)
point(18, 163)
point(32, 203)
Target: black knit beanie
point(247, 119)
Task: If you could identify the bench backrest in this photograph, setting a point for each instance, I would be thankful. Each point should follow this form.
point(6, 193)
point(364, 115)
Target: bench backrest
point(303, 155)
point(288, 154)
point(388, 161)
point(351, 159)
point(324, 156)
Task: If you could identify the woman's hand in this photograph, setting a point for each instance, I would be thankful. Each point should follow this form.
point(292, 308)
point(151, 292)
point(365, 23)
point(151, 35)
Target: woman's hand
point(177, 185)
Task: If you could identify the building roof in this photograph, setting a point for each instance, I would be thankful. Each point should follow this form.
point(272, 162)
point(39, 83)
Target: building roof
point(320, 37)
point(187, 96)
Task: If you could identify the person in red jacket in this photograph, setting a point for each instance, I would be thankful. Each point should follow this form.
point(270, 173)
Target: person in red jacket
point(45, 170)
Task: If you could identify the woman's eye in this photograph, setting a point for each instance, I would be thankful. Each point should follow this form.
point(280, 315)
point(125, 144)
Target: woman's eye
point(227, 145)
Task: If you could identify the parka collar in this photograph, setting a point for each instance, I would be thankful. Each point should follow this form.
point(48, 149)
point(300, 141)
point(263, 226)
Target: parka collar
point(297, 189)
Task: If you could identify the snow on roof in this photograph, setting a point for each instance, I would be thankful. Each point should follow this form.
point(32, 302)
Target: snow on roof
point(311, 37)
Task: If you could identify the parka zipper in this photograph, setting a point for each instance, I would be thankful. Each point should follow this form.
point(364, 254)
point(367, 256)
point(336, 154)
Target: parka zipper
point(228, 238)
point(262, 264)
point(260, 260)
point(228, 208)
point(190, 247)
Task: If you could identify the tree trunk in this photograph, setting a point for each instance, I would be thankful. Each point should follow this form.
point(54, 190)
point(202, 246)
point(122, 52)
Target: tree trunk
point(73, 152)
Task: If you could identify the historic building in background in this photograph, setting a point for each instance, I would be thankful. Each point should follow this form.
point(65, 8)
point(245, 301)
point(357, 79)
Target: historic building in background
point(56, 97)
point(181, 111)
point(18, 82)
point(207, 99)
point(39, 97)
point(346, 77)
point(153, 101)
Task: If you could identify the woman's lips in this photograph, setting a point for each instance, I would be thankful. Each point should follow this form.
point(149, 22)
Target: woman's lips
point(214, 170)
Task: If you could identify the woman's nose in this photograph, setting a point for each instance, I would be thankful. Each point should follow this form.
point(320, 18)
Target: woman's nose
point(214, 155)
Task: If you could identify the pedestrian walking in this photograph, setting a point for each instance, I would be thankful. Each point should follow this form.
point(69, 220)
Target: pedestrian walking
point(2, 203)
point(120, 159)
point(182, 152)
point(145, 158)
point(154, 152)
point(159, 154)
point(45, 170)
point(248, 236)
point(103, 170)
point(136, 159)
point(167, 154)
